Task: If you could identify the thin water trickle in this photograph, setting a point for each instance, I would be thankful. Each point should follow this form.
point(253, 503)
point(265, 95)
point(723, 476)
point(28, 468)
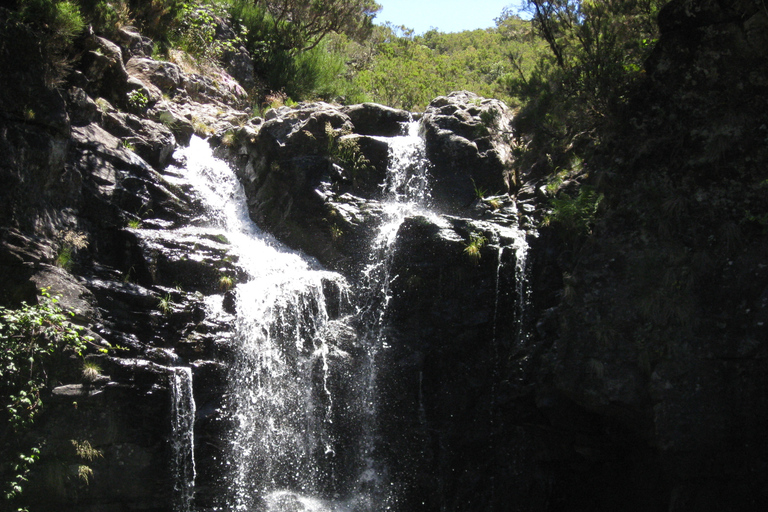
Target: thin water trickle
point(182, 436)
point(406, 193)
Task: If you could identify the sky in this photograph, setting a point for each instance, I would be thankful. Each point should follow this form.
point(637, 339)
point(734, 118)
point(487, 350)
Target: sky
point(444, 15)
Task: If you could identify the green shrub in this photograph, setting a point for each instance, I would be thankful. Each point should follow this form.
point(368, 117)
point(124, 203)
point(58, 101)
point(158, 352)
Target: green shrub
point(137, 100)
point(475, 244)
point(576, 215)
point(345, 152)
point(35, 341)
point(62, 19)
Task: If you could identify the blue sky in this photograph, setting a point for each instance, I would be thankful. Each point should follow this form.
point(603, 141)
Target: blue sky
point(444, 15)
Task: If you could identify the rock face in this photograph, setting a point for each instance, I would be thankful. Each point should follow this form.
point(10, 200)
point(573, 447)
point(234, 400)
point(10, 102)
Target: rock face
point(77, 173)
point(468, 142)
point(654, 335)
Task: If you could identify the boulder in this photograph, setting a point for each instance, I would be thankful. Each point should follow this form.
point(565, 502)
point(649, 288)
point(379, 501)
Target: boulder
point(133, 43)
point(165, 76)
point(83, 108)
point(299, 183)
point(467, 140)
point(239, 64)
point(375, 119)
point(103, 67)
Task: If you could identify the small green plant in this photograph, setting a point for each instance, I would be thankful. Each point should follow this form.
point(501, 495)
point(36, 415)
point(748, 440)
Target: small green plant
point(475, 244)
point(494, 203)
point(35, 343)
point(226, 283)
point(29, 114)
point(125, 143)
point(165, 305)
point(229, 138)
point(86, 451)
point(201, 128)
point(70, 243)
point(91, 371)
point(556, 181)
point(345, 151)
point(336, 232)
point(137, 100)
point(64, 258)
point(480, 191)
point(84, 473)
point(134, 223)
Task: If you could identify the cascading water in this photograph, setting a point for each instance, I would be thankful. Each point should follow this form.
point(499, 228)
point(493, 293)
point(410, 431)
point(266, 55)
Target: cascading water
point(183, 436)
point(406, 192)
point(279, 398)
point(304, 409)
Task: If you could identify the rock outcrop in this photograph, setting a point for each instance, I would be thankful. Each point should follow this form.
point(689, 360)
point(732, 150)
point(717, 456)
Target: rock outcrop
point(468, 142)
point(654, 335)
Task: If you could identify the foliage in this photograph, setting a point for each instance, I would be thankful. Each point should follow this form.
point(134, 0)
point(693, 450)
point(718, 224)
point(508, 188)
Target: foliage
point(596, 49)
point(34, 342)
point(90, 371)
point(308, 74)
point(300, 25)
point(197, 30)
point(404, 71)
point(399, 69)
point(53, 25)
point(226, 283)
point(106, 16)
point(476, 242)
point(60, 19)
point(85, 451)
point(345, 152)
point(70, 243)
point(576, 214)
point(137, 100)
point(165, 304)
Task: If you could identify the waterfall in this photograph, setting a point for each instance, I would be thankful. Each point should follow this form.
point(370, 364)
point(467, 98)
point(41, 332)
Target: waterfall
point(302, 406)
point(182, 436)
point(283, 441)
point(406, 193)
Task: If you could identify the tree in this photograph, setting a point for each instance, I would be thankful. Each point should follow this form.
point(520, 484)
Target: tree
point(301, 24)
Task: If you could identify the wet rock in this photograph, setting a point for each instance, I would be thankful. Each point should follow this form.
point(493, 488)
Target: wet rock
point(119, 180)
point(375, 119)
point(152, 141)
point(294, 186)
point(467, 140)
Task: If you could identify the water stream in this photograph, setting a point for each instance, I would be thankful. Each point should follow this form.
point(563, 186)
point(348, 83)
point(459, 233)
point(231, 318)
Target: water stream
point(406, 193)
point(182, 436)
point(303, 405)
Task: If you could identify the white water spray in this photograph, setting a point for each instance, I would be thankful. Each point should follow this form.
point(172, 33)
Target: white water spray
point(406, 193)
point(182, 436)
point(279, 399)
